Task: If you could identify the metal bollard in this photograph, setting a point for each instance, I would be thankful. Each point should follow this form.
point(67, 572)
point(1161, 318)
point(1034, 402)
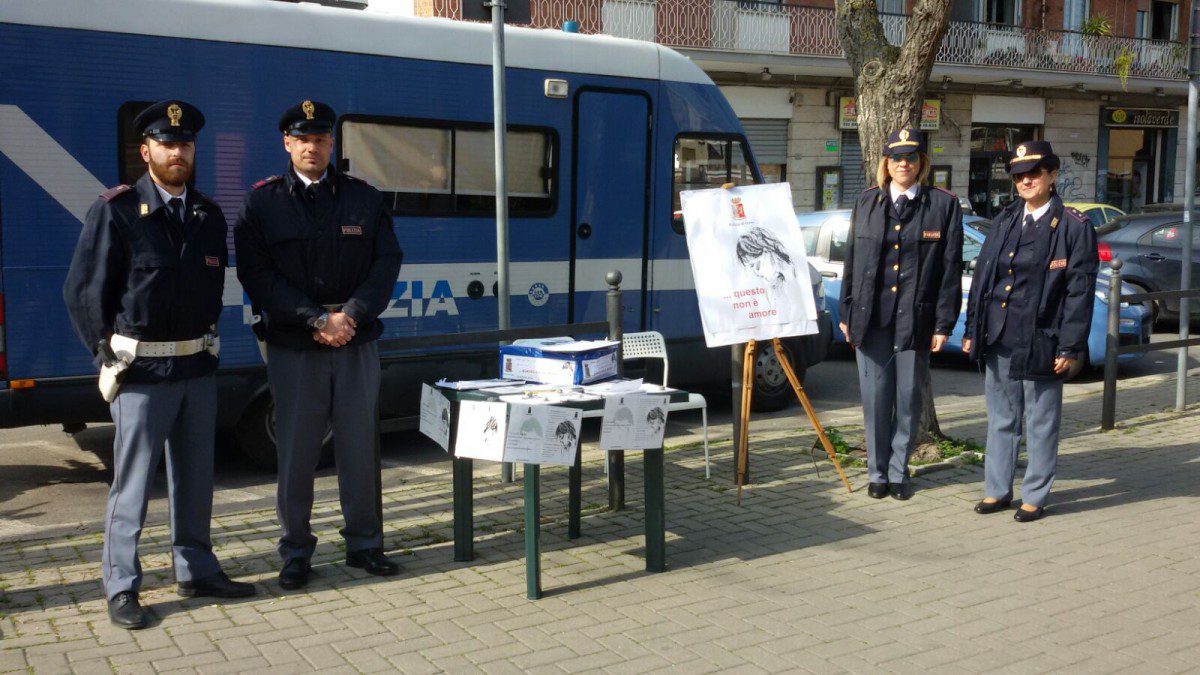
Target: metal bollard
point(1108, 409)
point(616, 458)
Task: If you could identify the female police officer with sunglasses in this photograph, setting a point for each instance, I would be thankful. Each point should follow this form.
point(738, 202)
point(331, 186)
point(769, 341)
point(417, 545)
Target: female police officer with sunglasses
point(900, 299)
point(1028, 318)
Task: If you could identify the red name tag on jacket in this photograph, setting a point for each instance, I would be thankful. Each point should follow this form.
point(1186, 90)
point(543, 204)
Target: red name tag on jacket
point(351, 229)
point(931, 234)
point(212, 261)
point(1059, 264)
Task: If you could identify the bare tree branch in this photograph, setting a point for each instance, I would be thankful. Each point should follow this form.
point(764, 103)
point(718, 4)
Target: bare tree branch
point(861, 35)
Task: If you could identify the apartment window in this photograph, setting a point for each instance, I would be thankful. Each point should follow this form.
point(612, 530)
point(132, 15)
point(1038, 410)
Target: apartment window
point(130, 166)
point(708, 162)
point(1164, 20)
point(1140, 24)
point(1075, 12)
point(891, 6)
point(1007, 12)
point(442, 168)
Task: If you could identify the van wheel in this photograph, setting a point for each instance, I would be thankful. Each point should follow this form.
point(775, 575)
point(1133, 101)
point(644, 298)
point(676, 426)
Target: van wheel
point(772, 391)
point(255, 434)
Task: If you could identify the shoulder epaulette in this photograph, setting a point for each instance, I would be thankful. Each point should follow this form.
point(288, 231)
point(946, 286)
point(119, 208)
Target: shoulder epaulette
point(941, 189)
point(354, 178)
point(1075, 213)
point(112, 193)
point(873, 187)
point(266, 181)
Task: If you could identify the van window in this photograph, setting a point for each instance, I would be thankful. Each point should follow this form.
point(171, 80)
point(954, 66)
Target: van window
point(448, 169)
point(130, 166)
point(706, 162)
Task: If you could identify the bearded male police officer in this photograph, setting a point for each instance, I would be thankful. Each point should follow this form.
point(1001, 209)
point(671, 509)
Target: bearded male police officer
point(317, 254)
point(144, 294)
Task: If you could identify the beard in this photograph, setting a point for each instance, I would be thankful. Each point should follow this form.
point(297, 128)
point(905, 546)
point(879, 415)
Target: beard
point(173, 173)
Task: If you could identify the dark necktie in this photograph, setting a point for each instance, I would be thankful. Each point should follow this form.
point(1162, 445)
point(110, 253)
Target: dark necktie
point(902, 205)
point(176, 206)
point(311, 191)
point(1028, 220)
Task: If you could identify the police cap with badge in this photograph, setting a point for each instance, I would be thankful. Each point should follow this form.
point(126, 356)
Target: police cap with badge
point(170, 121)
point(1030, 155)
point(903, 142)
point(309, 117)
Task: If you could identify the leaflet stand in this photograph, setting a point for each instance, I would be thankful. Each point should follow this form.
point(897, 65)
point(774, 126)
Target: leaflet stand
point(743, 449)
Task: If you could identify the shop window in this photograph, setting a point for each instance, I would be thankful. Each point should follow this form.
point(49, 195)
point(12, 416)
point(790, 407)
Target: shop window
point(130, 166)
point(444, 169)
point(708, 162)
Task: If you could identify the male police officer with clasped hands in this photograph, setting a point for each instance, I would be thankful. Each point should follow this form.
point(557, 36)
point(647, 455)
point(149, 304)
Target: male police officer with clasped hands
point(317, 254)
point(144, 294)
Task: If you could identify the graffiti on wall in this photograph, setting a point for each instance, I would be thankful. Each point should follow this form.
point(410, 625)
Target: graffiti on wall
point(1075, 168)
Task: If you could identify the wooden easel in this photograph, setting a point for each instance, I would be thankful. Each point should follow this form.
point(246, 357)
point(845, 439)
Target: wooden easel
point(743, 447)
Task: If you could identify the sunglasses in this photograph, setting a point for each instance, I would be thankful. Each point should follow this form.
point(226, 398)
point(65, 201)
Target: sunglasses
point(910, 157)
point(1033, 174)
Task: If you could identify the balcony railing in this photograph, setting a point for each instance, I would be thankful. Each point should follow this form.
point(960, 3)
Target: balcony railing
point(774, 28)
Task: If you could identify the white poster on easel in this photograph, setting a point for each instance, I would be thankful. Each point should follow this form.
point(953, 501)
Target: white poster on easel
point(633, 422)
point(481, 427)
point(749, 263)
point(542, 434)
point(434, 419)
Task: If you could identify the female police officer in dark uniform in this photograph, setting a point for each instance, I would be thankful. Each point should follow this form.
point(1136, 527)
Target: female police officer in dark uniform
point(1028, 319)
point(900, 299)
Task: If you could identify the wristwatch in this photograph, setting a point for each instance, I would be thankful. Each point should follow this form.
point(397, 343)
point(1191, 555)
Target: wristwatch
point(319, 322)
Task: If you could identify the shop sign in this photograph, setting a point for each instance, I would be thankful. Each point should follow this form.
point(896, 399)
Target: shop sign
point(1141, 117)
point(831, 145)
point(931, 114)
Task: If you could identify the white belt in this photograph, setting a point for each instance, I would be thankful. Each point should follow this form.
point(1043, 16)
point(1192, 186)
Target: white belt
point(127, 348)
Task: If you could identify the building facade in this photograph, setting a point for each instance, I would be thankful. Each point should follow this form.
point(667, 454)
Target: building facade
point(1103, 80)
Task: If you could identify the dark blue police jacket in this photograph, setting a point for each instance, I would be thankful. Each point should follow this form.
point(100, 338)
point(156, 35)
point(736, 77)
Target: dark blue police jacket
point(929, 281)
point(139, 273)
point(1057, 324)
point(296, 255)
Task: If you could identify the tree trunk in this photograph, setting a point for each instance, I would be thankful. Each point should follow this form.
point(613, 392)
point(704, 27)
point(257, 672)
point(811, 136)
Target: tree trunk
point(890, 84)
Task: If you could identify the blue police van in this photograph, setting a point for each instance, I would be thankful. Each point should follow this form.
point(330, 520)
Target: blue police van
point(604, 133)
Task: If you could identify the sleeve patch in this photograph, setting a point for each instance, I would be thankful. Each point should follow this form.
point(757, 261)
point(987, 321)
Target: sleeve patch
point(113, 193)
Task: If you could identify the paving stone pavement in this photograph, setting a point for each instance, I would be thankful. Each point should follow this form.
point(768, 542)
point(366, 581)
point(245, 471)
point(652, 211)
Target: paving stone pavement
point(800, 577)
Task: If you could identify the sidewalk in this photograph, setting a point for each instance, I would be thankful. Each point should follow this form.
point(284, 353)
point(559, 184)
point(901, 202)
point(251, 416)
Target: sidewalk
point(802, 576)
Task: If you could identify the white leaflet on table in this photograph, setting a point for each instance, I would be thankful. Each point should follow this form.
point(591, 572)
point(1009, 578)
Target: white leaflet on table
point(748, 261)
point(504, 391)
point(542, 434)
point(481, 430)
point(612, 387)
point(579, 346)
point(435, 416)
point(467, 385)
point(548, 397)
point(633, 422)
point(650, 388)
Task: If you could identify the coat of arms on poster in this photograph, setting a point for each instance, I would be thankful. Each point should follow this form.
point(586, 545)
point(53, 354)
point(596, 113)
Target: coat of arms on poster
point(748, 260)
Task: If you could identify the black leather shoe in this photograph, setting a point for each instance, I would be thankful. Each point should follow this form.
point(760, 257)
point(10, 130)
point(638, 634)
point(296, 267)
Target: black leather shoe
point(992, 507)
point(373, 561)
point(218, 585)
point(1023, 516)
point(900, 491)
point(294, 574)
point(877, 490)
point(125, 611)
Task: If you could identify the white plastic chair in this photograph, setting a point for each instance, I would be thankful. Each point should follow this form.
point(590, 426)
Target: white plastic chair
point(650, 345)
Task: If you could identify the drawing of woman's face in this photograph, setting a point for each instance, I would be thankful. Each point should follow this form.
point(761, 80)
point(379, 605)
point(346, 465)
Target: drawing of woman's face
point(761, 254)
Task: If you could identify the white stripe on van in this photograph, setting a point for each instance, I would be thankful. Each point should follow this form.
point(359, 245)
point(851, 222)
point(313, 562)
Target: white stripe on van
point(45, 161)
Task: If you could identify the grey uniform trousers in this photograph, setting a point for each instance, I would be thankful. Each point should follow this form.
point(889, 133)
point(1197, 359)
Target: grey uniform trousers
point(180, 418)
point(311, 388)
point(1032, 408)
point(891, 383)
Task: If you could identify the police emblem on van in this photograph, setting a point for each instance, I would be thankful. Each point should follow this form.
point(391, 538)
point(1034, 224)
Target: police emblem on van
point(539, 294)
